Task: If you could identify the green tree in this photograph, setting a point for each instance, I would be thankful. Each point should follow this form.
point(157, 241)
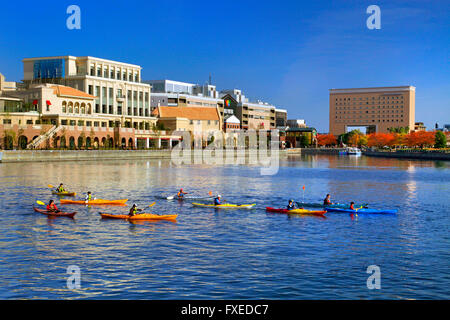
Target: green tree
point(304, 141)
point(440, 140)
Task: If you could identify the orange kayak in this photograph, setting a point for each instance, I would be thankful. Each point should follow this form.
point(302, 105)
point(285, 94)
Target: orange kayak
point(141, 216)
point(95, 202)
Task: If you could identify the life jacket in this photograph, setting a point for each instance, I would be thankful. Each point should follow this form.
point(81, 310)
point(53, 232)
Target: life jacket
point(217, 201)
point(89, 197)
point(60, 189)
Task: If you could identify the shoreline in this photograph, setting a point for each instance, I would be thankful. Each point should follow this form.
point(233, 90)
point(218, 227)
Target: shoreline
point(19, 156)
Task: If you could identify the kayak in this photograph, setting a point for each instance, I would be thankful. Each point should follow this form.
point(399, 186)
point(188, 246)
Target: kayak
point(188, 198)
point(334, 205)
point(68, 194)
point(141, 216)
point(96, 202)
point(225, 205)
point(363, 210)
point(296, 211)
point(55, 214)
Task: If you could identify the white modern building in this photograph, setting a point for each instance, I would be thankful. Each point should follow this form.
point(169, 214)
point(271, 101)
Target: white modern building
point(117, 86)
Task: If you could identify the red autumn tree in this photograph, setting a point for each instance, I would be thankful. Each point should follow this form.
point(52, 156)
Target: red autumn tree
point(420, 138)
point(380, 140)
point(326, 139)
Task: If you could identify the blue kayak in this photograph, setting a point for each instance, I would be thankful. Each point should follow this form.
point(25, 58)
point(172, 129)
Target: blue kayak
point(363, 210)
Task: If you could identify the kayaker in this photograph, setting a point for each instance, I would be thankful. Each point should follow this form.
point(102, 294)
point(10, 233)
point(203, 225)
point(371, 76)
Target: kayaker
point(134, 210)
point(218, 200)
point(352, 205)
point(52, 206)
point(181, 193)
point(60, 189)
point(88, 196)
point(291, 205)
point(327, 200)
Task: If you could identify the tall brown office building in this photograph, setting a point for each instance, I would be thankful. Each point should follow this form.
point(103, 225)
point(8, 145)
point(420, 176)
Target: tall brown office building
point(378, 109)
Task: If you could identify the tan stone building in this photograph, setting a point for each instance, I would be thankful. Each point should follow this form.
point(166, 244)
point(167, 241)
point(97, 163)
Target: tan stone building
point(378, 108)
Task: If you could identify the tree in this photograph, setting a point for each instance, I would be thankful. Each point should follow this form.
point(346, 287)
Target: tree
point(304, 141)
point(420, 138)
point(440, 140)
point(380, 140)
point(326, 139)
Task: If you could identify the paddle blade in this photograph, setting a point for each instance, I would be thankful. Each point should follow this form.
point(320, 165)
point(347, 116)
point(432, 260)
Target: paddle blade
point(40, 202)
point(170, 198)
point(210, 193)
point(152, 204)
point(50, 186)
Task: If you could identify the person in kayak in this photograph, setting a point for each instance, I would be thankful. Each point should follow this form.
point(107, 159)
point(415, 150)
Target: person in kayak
point(51, 207)
point(327, 200)
point(352, 206)
point(218, 200)
point(60, 189)
point(181, 193)
point(134, 210)
point(88, 196)
point(291, 205)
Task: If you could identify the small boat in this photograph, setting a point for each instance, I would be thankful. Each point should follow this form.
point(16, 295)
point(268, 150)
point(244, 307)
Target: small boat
point(362, 211)
point(141, 216)
point(225, 205)
point(120, 202)
point(66, 193)
point(52, 214)
point(296, 211)
point(350, 151)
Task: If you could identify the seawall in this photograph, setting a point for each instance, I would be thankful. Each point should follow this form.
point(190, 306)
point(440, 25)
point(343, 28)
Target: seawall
point(410, 155)
point(93, 155)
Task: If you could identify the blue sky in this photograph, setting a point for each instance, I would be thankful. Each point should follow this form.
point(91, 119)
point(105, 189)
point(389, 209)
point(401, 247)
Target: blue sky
point(286, 52)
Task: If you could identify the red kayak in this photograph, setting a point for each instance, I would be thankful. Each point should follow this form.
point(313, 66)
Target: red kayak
point(296, 211)
point(55, 214)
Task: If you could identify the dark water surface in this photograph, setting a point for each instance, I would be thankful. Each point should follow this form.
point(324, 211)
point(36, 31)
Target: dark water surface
point(229, 254)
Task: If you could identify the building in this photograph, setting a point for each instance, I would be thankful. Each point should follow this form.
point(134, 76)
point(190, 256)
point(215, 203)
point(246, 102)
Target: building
point(280, 118)
point(192, 119)
point(81, 98)
point(378, 108)
point(183, 94)
point(419, 126)
point(6, 85)
point(231, 123)
point(117, 87)
point(252, 115)
point(298, 137)
point(296, 123)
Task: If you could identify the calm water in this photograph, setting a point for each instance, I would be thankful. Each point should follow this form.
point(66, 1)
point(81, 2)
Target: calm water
point(234, 254)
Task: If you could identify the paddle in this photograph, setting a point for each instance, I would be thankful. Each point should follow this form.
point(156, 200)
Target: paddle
point(152, 204)
point(50, 186)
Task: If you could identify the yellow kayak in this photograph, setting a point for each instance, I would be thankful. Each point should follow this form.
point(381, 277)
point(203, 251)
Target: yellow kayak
point(65, 193)
point(96, 201)
point(225, 205)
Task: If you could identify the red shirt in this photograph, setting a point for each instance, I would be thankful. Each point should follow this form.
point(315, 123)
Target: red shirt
point(52, 207)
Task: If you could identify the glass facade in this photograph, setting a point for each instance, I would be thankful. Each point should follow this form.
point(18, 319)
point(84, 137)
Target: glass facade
point(49, 69)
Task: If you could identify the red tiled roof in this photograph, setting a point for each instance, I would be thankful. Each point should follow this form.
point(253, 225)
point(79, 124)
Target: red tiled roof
point(191, 113)
point(71, 92)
